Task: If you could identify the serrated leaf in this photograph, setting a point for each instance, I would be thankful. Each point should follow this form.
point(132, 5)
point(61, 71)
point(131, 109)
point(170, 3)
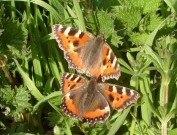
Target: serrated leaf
point(138, 38)
point(13, 39)
point(105, 4)
point(54, 118)
point(152, 21)
point(135, 3)
point(6, 95)
point(129, 16)
point(15, 99)
point(21, 99)
point(106, 26)
point(150, 6)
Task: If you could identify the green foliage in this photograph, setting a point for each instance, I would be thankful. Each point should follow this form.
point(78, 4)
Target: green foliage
point(31, 64)
point(129, 16)
point(104, 19)
point(13, 39)
point(14, 101)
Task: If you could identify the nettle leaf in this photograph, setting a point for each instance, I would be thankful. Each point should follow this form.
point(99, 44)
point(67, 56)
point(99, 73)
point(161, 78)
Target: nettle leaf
point(105, 4)
point(21, 99)
point(13, 39)
point(6, 95)
point(152, 21)
point(135, 3)
point(91, 22)
point(129, 16)
point(106, 26)
point(16, 99)
point(138, 38)
point(147, 6)
point(54, 119)
point(150, 6)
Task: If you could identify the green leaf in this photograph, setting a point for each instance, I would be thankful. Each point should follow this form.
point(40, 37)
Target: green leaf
point(138, 38)
point(6, 95)
point(60, 10)
point(172, 4)
point(21, 99)
point(105, 4)
point(48, 7)
point(172, 132)
point(13, 39)
point(129, 16)
point(29, 83)
point(119, 121)
point(15, 99)
point(147, 6)
point(151, 37)
point(79, 15)
point(150, 6)
point(104, 19)
point(152, 21)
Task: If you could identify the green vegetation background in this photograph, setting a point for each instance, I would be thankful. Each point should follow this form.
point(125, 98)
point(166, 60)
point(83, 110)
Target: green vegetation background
point(142, 34)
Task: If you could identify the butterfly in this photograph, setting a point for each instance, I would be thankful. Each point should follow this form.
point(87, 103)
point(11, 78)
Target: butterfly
point(89, 100)
point(87, 53)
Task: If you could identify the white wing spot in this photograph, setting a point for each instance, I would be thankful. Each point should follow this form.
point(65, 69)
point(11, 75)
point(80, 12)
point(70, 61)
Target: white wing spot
point(114, 62)
point(131, 91)
point(114, 89)
point(67, 30)
point(107, 108)
point(124, 91)
point(60, 27)
point(78, 33)
point(77, 79)
point(67, 95)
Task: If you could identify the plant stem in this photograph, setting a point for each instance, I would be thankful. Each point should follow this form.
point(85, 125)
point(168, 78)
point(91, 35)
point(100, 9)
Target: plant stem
point(164, 104)
point(166, 96)
point(164, 128)
point(13, 11)
point(8, 76)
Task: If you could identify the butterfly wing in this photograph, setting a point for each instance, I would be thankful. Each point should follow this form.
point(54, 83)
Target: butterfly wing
point(87, 53)
point(119, 97)
point(71, 103)
point(96, 108)
point(72, 86)
point(82, 100)
point(110, 64)
point(70, 40)
point(70, 82)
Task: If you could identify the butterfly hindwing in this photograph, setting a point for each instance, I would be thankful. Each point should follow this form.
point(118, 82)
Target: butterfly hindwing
point(95, 107)
point(83, 101)
point(120, 97)
point(71, 102)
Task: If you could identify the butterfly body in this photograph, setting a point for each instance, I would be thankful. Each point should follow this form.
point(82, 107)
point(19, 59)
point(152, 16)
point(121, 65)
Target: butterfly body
point(87, 53)
point(89, 100)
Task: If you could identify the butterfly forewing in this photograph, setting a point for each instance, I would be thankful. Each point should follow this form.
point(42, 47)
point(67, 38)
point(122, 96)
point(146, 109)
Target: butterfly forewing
point(71, 82)
point(110, 64)
point(69, 38)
